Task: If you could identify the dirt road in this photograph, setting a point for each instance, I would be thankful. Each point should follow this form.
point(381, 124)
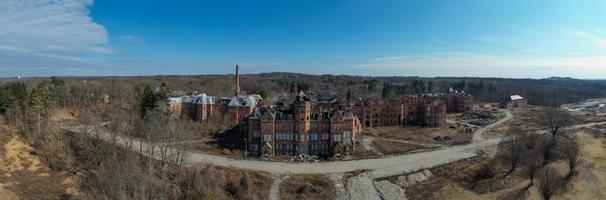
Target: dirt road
point(477, 135)
point(379, 167)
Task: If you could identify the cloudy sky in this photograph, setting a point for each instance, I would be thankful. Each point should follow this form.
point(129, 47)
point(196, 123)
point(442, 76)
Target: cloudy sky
point(515, 38)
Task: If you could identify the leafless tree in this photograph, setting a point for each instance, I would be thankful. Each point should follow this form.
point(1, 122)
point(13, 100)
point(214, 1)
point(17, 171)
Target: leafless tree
point(551, 181)
point(166, 136)
point(514, 148)
point(570, 151)
point(554, 121)
point(533, 160)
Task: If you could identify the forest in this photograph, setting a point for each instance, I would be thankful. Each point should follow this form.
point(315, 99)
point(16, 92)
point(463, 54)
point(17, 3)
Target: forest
point(137, 108)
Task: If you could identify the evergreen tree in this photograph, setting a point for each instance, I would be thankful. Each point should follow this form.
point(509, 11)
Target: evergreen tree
point(147, 100)
point(386, 92)
point(264, 93)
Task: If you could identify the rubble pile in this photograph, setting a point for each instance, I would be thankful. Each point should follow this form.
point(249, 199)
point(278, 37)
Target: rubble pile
point(589, 107)
point(472, 115)
point(478, 118)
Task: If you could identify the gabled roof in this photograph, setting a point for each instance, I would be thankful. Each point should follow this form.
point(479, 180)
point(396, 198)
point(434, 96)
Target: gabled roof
point(515, 97)
point(234, 101)
point(336, 116)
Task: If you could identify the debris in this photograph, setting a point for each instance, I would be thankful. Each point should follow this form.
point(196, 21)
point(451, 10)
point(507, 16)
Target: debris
point(472, 115)
point(440, 138)
point(361, 188)
point(415, 178)
point(389, 191)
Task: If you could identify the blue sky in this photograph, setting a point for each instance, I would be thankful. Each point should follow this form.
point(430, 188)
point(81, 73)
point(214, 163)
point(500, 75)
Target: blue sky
point(516, 38)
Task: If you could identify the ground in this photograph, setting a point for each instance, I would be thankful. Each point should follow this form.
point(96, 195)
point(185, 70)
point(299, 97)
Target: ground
point(386, 146)
point(591, 179)
point(307, 187)
point(480, 178)
point(23, 175)
point(423, 135)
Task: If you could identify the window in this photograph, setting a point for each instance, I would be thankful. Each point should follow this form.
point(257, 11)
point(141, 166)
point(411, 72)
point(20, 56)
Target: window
point(313, 137)
point(336, 138)
point(324, 147)
point(304, 137)
point(346, 135)
point(289, 147)
point(256, 134)
point(267, 137)
point(325, 136)
point(279, 146)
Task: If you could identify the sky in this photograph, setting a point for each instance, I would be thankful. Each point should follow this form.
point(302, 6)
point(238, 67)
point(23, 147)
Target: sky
point(472, 38)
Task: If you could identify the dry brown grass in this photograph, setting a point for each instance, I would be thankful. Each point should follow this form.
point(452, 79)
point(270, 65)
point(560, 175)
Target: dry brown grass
point(212, 148)
point(310, 187)
point(419, 134)
point(395, 147)
point(216, 182)
point(23, 175)
point(591, 178)
point(361, 152)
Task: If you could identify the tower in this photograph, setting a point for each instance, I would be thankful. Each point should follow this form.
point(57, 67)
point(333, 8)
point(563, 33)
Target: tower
point(237, 80)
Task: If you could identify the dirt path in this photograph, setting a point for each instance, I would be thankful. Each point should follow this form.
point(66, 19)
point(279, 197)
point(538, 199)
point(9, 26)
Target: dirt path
point(368, 145)
point(274, 192)
point(477, 135)
point(380, 167)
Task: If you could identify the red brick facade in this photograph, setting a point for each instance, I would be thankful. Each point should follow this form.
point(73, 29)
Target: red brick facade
point(302, 128)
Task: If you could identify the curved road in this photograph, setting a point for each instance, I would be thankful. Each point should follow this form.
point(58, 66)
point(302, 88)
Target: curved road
point(378, 167)
point(477, 135)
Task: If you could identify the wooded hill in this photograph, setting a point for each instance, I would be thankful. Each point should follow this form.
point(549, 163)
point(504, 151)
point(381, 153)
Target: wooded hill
point(547, 92)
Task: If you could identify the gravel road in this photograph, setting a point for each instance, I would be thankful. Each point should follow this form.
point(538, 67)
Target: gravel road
point(378, 167)
point(477, 135)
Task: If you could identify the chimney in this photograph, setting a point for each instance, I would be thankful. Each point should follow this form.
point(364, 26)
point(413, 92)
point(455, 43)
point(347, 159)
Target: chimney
point(237, 80)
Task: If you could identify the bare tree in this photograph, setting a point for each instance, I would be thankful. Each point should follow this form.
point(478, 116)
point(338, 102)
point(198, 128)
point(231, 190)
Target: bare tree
point(551, 181)
point(514, 148)
point(533, 162)
point(541, 145)
point(166, 137)
point(554, 121)
point(570, 151)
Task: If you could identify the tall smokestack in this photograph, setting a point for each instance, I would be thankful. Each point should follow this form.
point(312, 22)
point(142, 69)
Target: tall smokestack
point(237, 80)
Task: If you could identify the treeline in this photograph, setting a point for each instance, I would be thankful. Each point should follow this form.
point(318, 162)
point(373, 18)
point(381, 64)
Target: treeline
point(106, 169)
point(543, 92)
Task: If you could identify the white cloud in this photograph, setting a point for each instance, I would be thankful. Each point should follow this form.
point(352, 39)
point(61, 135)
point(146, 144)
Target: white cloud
point(13, 49)
point(101, 50)
point(131, 38)
point(602, 43)
point(57, 29)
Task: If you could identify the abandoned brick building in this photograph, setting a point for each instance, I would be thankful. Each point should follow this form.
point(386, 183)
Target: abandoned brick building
point(201, 107)
point(302, 126)
point(513, 101)
point(424, 110)
point(403, 110)
point(299, 124)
